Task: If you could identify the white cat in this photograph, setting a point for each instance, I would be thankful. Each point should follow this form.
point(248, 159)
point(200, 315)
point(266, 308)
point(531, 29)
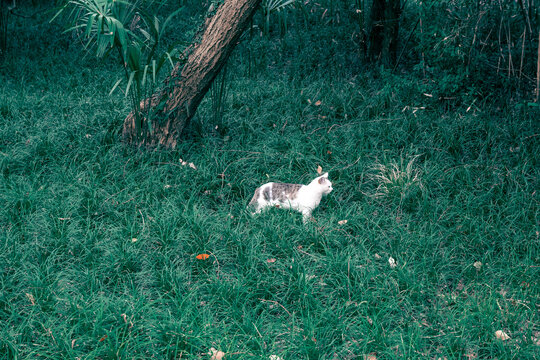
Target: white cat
point(303, 198)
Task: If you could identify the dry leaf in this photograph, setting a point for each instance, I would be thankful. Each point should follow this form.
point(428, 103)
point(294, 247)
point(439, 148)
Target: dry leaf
point(31, 298)
point(202, 256)
point(270, 261)
point(275, 357)
point(342, 222)
point(499, 334)
point(319, 170)
point(191, 165)
point(133, 240)
point(392, 262)
point(318, 103)
point(216, 354)
point(103, 338)
point(378, 257)
point(477, 265)
point(370, 356)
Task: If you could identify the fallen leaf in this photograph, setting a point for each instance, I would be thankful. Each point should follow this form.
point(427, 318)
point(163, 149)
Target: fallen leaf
point(103, 338)
point(318, 103)
point(342, 222)
point(378, 257)
point(392, 262)
point(270, 261)
point(370, 356)
point(191, 165)
point(31, 298)
point(501, 335)
point(319, 170)
point(124, 316)
point(202, 256)
point(477, 265)
point(133, 240)
point(275, 357)
point(216, 354)
point(329, 152)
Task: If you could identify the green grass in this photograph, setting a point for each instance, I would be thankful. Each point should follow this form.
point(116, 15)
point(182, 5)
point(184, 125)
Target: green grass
point(74, 283)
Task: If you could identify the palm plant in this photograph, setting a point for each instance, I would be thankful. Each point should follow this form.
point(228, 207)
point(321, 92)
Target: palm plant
point(271, 6)
point(125, 27)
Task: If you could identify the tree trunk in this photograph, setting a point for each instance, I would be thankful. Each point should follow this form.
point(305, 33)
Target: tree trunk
point(187, 85)
point(385, 16)
point(6, 6)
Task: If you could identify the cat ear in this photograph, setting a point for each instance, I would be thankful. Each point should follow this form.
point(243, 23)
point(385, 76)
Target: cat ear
point(325, 175)
point(322, 179)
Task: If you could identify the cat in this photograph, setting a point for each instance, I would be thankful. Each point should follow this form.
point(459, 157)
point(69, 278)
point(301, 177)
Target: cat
point(303, 198)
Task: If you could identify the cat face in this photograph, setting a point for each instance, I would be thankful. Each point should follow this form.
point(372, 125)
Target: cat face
point(324, 183)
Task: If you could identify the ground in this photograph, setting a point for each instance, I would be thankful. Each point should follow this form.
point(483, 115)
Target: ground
point(100, 242)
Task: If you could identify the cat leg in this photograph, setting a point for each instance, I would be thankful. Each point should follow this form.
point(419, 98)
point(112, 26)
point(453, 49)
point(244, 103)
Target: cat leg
point(306, 215)
point(258, 209)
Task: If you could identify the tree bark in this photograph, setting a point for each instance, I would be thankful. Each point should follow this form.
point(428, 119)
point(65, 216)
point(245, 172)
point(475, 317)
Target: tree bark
point(187, 85)
point(385, 16)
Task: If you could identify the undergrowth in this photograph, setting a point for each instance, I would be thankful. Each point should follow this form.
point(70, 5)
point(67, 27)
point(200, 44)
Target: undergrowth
point(98, 240)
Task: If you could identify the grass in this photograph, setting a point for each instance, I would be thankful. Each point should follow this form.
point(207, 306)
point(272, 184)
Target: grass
point(99, 240)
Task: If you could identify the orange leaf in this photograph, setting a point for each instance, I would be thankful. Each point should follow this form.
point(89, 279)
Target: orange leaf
point(318, 103)
point(319, 169)
point(103, 338)
point(202, 256)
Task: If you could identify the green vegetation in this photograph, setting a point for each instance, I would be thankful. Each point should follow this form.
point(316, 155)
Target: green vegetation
point(98, 240)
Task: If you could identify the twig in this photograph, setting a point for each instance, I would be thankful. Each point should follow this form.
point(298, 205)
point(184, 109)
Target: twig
point(276, 303)
point(522, 53)
point(354, 163)
point(405, 45)
point(244, 151)
point(169, 163)
point(538, 69)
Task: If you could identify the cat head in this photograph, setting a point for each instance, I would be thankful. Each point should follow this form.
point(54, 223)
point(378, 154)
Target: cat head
point(325, 184)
